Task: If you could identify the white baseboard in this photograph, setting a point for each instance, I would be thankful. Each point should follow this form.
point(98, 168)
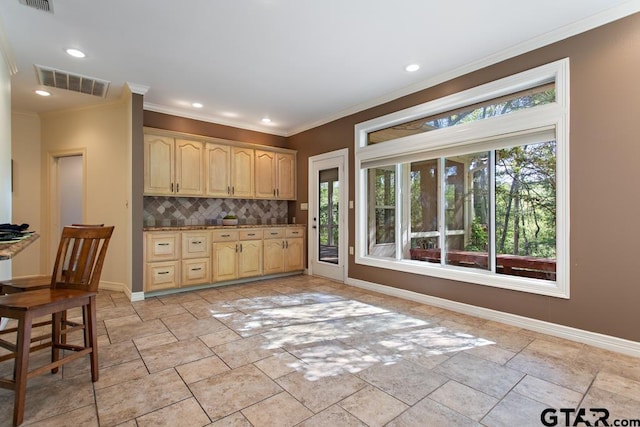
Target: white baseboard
point(595, 339)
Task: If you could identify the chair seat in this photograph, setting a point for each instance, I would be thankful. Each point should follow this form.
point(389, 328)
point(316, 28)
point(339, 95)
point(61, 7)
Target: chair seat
point(42, 299)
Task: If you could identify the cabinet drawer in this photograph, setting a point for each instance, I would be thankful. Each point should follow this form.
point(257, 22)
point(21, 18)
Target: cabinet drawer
point(162, 247)
point(196, 271)
point(251, 234)
point(224, 235)
point(161, 275)
point(274, 233)
point(295, 232)
point(195, 244)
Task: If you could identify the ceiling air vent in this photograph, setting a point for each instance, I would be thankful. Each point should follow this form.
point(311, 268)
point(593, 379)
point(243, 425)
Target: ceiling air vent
point(45, 5)
point(73, 82)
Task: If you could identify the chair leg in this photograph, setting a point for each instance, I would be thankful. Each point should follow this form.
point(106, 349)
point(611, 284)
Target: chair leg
point(91, 326)
point(56, 338)
point(21, 367)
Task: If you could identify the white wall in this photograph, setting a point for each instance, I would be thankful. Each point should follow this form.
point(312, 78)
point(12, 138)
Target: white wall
point(5, 153)
point(26, 196)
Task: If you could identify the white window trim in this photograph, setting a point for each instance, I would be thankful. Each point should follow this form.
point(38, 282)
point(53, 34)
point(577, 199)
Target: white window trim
point(476, 134)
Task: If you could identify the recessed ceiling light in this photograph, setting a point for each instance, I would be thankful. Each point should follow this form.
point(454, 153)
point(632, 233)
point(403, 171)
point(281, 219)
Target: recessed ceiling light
point(197, 105)
point(266, 120)
point(412, 67)
point(76, 53)
point(42, 92)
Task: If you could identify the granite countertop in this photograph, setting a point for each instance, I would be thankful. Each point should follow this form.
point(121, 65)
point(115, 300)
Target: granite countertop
point(9, 250)
point(216, 227)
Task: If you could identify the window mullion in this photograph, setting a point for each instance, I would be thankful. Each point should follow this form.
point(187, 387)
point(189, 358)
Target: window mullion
point(492, 211)
point(442, 209)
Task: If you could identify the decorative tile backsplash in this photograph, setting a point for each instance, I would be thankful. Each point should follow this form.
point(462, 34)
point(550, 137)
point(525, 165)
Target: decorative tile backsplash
point(178, 211)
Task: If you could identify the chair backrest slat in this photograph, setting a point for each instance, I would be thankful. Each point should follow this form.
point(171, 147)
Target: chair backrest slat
point(80, 257)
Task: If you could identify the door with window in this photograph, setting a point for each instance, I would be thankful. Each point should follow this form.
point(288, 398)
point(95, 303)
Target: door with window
point(328, 199)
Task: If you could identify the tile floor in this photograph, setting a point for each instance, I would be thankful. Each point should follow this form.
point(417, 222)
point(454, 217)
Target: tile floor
point(304, 351)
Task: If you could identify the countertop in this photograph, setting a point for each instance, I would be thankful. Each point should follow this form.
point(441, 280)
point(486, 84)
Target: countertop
point(217, 227)
point(9, 250)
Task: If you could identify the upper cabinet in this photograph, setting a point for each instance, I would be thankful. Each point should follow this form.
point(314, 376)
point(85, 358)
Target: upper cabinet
point(173, 166)
point(229, 171)
point(275, 175)
point(210, 167)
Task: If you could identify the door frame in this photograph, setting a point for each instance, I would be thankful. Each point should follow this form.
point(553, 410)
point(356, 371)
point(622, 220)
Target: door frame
point(53, 203)
point(333, 159)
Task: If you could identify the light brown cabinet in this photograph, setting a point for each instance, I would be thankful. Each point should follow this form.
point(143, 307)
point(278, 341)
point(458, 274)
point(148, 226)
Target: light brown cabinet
point(173, 166)
point(283, 250)
point(162, 254)
point(275, 175)
point(229, 171)
point(196, 260)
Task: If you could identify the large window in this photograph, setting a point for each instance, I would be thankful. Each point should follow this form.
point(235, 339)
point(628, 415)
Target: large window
point(478, 191)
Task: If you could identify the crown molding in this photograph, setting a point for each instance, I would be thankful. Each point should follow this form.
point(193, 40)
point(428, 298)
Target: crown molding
point(204, 118)
point(7, 52)
point(594, 21)
point(138, 89)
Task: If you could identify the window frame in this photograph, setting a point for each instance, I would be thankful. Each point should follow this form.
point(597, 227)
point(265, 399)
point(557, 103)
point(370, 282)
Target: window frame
point(474, 136)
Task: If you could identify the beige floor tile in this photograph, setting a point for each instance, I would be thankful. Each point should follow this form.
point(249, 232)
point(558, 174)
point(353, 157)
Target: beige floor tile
point(482, 375)
point(233, 420)
point(620, 407)
point(463, 399)
point(332, 416)
point(173, 354)
point(186, 413)
point(318, 393)
point(135, 398)
point(617, 384)
point(430, 413)
point(201, 369)
point(332, 358)
point(204, 309)
point(130, 331)
point(372, 406)
point(179, 298)
point(562, 349)
point(280, 410)
point(515, 410)
point(185, 326)
point(115, 354)
point(150, 341)
point(279, 364)
point(232, 391)
point(222, 336)
point(159, 311)
point(548, 393)
point(121, 373)
point(245, 351)
point(103, 314)
point(569, 374)
point(492, 353)
point(403, 380)
point(85, 417)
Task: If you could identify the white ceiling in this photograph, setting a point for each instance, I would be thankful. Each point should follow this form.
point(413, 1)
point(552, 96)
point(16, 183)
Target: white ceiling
point(299, 62)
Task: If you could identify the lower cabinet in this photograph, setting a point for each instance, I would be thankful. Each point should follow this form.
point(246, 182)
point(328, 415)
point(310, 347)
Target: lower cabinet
point(196, 257)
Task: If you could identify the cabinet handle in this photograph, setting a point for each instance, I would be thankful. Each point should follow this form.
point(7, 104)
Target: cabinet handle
point(228, 190)
point(196, 269)
point(274, 233)
point(172, 187)
point(283, 244)
point(177, 187)
point(294, 232)
point(163, 272)
point(251, 234)
point(233, 190)
point(163, 244)
point(197, 242)
point(240, 247)
point(225, 235)
point(274, 191)
point(287, 244)
point(277, 192)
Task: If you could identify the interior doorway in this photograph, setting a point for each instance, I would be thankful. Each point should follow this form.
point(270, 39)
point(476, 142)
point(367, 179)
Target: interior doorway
point(328, 198)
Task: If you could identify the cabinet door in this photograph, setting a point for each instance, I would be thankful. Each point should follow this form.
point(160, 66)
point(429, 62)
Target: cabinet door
point(195, 271)
point(161, 275)
point(196, 244)
point(273, 256)
point(242, 172)
point(189, 168)
point(218, 173)
point(294, 255)
point(250, 258)
point(158, 165)
point(286, 170)
point(265, 178)
point(225, 261)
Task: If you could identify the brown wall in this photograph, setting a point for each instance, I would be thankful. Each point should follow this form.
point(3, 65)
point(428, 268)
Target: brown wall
point(196, 127)
point(604, 151)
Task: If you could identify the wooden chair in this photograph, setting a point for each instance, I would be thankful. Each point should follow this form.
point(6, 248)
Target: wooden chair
point(13, 286)
point(74, 283)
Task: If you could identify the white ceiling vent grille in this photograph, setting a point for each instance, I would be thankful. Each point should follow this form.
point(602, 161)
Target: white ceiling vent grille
point(73, 82)
point(45, 5)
